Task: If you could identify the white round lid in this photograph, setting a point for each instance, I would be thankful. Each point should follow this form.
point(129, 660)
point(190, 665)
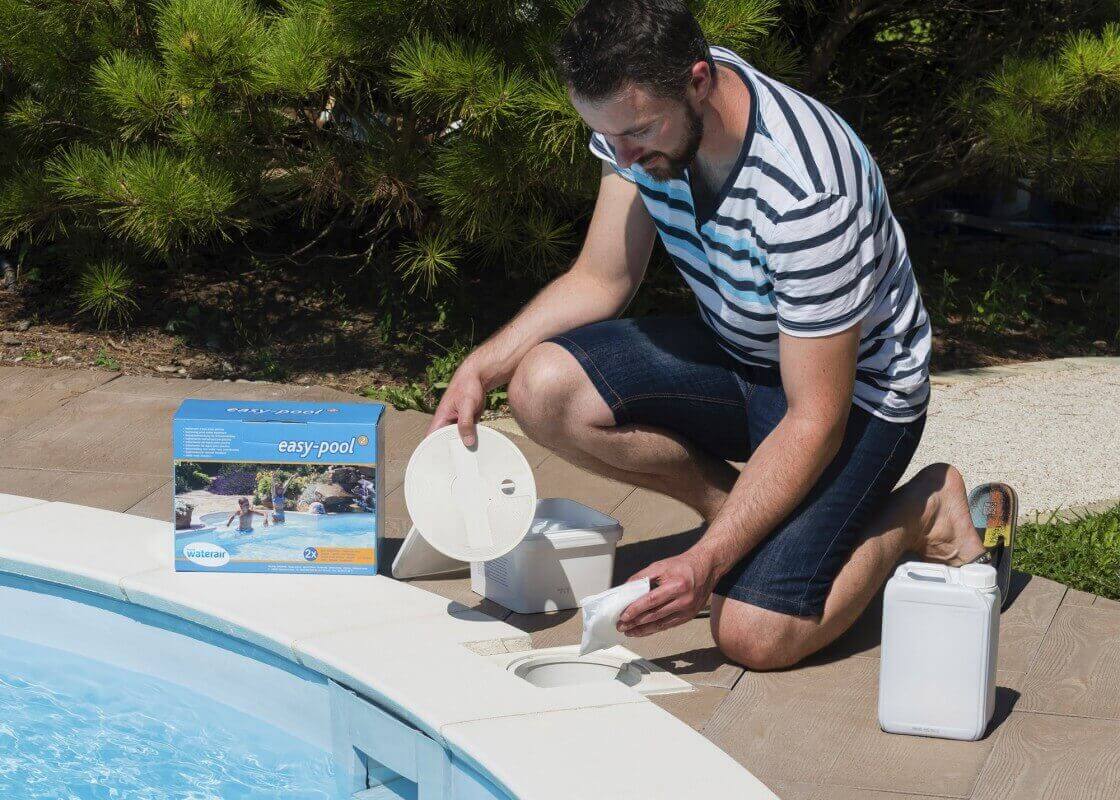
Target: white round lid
point(978, 576)
point(472, 504)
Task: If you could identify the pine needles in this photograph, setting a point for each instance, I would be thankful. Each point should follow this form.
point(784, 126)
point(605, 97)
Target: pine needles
point(433, 135)
point(105, 293)
point(1057, 120)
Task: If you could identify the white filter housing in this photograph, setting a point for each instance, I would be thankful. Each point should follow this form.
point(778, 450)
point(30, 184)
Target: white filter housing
point(568, 554)
point(937, 674)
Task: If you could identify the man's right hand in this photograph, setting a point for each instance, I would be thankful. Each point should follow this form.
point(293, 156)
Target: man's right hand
point(462, 404)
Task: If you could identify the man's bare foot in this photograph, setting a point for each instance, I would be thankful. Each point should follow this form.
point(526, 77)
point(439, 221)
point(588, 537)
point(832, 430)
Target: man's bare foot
point(946, 534)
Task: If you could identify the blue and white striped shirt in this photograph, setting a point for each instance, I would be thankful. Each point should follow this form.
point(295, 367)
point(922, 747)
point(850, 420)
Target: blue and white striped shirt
point(801, 240)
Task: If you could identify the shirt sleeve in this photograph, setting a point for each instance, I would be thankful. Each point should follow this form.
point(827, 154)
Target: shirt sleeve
point(598, 145)
point(821, 255)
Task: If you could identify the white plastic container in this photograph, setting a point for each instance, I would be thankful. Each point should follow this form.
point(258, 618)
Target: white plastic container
point(568, 554)
point(937, 673)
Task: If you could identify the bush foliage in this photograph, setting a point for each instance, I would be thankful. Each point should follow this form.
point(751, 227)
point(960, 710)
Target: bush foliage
point(141, 133)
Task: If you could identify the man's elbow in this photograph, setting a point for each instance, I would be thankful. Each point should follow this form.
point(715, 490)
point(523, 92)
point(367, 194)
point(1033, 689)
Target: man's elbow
point(825, 431)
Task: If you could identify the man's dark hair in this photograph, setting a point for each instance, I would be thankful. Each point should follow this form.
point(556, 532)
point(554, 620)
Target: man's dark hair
point(651, 43)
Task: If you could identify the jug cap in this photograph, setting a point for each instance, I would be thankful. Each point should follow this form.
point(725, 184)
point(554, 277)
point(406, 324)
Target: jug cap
point(471, 504)
point(978, 576)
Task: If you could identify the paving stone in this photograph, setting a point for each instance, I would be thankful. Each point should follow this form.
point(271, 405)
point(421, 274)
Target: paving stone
point(27, 394)
point(395, 521)
point(653, 527)
point(1024, 622)
point(1048, 757)
point(870, 759)
point(1077, 668)
point(1076, 597)
point(113, 433)
point(156, 505)
point(794, 791)
point(1106, 602)
point(555, 477)
point(151, 386)
point(693, 708)
point(402, 431)
point(108, 490)
point(790, 726)
point(550, 629)
point(848, 793)
point(534, 453)
point(689, 652)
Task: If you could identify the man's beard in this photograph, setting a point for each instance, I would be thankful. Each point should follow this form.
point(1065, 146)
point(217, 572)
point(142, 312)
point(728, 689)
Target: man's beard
point(663, 166)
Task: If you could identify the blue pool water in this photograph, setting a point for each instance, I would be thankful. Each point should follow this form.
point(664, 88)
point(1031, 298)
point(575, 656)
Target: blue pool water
point(285, 540)
point(106, 700)
point(72, 727)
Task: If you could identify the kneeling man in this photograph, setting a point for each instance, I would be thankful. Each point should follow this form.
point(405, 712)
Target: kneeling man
point(807, 357)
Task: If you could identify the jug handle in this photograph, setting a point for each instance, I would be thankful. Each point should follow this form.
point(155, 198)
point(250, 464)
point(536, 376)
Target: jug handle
point(932, 570)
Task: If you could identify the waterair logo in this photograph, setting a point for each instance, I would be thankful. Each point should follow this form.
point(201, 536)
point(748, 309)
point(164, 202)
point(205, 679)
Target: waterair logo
point(304, 449)
point(279, 411)
point(206, 555)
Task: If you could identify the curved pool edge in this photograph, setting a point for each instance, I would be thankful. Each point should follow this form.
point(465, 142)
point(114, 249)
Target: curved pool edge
point(398, 647)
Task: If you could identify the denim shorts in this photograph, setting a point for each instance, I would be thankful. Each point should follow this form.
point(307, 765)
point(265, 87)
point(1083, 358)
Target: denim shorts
point(669, 372)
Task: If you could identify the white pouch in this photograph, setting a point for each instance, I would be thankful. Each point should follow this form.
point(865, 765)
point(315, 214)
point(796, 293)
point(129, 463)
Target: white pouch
point(601, 612)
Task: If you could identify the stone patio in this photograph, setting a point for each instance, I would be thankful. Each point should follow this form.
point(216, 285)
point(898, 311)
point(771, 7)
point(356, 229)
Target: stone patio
point(100, 439)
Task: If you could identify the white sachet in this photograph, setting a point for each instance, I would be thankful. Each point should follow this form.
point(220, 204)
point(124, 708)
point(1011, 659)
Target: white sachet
point(601, 612)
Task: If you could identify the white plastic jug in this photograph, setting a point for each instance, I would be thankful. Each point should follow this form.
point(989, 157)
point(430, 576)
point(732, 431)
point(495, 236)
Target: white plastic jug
point(937, 673)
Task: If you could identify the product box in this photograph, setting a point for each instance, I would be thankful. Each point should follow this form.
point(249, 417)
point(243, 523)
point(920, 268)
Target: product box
point(276, 486)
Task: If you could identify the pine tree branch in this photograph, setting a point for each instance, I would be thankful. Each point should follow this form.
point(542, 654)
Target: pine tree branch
point(850, 14)
point(937, 183)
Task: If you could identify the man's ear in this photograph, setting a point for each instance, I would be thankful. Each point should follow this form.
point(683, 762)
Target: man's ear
point(702, 80)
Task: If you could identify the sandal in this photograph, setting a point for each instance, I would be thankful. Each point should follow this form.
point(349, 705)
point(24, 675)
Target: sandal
point(995, 511)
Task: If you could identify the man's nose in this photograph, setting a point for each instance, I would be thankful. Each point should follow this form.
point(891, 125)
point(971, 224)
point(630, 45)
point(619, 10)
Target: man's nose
point(624, 153)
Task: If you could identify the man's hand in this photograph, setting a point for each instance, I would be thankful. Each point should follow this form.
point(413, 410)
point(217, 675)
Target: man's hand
point(683, 585)
point(462, 403)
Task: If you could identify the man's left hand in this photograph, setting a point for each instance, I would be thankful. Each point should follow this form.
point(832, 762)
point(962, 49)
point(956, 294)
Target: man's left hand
point(682, 586)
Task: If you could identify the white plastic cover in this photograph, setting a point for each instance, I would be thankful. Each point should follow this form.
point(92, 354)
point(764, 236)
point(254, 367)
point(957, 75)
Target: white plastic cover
point(471, 504)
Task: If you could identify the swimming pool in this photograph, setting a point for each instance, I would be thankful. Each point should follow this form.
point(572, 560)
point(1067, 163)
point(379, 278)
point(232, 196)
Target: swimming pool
point(104, 699)
point(280, 541)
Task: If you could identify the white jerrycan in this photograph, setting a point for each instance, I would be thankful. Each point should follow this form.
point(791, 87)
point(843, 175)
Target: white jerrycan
point(937, 674)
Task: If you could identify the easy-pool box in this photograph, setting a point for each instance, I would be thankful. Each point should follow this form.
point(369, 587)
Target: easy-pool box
point(276, 486)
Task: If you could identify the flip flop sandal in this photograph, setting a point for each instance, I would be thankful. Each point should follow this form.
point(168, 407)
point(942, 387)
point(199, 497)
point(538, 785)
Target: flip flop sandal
point(995, 509)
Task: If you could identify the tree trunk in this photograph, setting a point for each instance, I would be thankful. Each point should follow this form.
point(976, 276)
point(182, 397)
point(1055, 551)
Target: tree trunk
point(850, 14)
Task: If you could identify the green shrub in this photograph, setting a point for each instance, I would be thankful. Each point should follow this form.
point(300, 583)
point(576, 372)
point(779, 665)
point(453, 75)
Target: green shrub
point(425, 396)
point(105, 293)
point(432, 143)
point(1082, 551)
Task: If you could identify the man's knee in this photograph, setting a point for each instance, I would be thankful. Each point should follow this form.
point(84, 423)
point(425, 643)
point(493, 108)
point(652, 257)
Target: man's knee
point(545, 389)
point(758, 639)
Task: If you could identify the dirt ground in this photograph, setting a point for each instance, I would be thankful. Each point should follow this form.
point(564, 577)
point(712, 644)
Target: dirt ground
point(312, 326)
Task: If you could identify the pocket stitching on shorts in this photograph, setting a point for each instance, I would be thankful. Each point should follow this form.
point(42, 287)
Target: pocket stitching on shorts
point(666, 396)
point(587, 356)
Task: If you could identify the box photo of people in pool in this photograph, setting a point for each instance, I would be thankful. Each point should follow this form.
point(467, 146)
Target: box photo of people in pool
point(274, 516)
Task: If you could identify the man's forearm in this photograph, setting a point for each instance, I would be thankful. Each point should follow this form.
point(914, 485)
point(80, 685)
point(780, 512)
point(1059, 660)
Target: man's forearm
point(573, 299)
point(778, 476)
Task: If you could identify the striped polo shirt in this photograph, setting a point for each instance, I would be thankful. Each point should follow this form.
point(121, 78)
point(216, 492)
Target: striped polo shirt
point(800, 239)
